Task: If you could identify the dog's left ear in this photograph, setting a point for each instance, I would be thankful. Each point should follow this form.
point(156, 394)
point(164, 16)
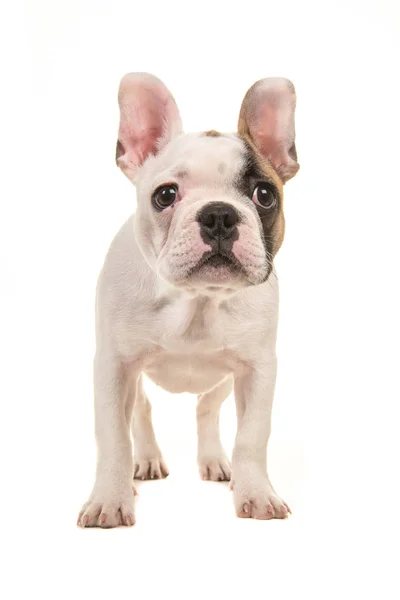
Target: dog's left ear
point(149, 120)
point(267, 118)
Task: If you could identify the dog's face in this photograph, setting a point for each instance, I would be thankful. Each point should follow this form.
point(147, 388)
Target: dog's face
point(209, 212)
point(210, 205)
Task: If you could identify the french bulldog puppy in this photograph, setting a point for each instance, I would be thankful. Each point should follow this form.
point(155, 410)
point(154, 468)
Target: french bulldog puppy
point(188, 294)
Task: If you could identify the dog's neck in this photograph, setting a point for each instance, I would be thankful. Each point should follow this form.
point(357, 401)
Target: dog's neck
point(201, 295)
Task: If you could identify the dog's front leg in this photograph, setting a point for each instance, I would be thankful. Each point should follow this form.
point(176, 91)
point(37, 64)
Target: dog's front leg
point(253, 493)
point(112, 500)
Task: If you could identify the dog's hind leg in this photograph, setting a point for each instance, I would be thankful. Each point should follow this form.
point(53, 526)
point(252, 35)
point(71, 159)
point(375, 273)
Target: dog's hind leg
point(212, 460)
point(148, 460)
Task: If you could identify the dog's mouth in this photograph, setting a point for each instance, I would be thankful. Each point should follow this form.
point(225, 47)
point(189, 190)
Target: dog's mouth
point(219, 260)
point(214, 263)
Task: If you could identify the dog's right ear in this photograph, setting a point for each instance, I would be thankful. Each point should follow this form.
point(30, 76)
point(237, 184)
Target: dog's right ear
point(149, 120)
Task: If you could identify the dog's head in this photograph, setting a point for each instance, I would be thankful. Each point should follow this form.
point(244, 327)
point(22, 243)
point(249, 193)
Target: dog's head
point(210, 205)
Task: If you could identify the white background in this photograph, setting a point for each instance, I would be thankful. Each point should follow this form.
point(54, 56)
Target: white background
point(334, 452)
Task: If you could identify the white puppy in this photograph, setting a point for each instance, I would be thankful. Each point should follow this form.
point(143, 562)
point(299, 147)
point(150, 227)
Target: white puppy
point(187, 294)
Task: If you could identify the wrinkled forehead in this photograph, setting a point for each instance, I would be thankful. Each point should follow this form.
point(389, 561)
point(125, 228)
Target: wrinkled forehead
point(204, 158)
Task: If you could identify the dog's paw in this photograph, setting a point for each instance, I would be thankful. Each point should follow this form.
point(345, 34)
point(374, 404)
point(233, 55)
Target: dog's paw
point(108, 511)
point(149, 468)
point(258, 502)
point(215, 467)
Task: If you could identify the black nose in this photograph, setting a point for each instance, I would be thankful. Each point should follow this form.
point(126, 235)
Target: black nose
point(218, 219)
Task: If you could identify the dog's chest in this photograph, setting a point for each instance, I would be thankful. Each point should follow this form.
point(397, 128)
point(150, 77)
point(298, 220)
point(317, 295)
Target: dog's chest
point(196, 326)
point(192, 353)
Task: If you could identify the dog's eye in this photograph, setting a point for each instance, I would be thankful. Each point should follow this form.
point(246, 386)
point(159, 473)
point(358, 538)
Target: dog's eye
point(165, 196)
point(264, 195)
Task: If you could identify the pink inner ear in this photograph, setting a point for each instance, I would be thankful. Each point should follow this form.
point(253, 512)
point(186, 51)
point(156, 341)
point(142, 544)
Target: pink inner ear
point(149, 119)
point(141, 122)
point(272, 137)
point(137, 148)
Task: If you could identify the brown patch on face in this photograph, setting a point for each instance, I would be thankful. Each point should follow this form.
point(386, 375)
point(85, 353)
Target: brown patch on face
point(212, 133)
point(277, 229)
point(264, 164)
